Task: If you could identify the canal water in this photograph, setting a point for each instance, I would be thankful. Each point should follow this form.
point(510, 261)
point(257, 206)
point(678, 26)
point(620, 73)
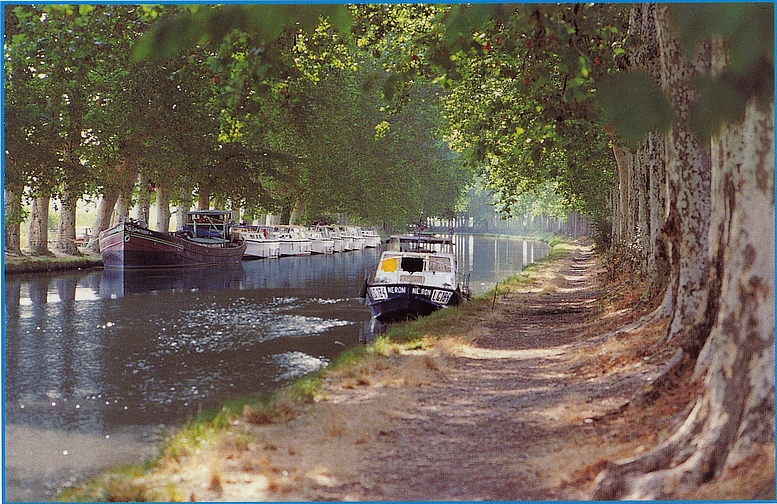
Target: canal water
point(98, 363)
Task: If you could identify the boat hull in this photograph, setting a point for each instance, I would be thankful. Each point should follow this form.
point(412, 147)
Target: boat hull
point(128, 246)
point(261, 249)
point(294, 247)
point(399, 302)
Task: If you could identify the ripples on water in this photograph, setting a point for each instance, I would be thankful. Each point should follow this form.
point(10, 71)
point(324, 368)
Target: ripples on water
point(99, 352)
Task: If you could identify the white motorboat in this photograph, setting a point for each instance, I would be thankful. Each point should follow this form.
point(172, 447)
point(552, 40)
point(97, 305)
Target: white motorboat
point(259, 243)
point(348, 241)
point(333, 233)
point(358, 239)
point(293, 240)
point(371, 238)
point(320, 243)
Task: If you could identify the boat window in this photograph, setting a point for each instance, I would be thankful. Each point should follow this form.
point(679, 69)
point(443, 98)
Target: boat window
point(389, 264)
point(440, 264)
point(412, 264)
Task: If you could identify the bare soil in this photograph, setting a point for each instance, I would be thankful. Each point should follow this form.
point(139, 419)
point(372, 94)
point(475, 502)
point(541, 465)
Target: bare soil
point(525, 402)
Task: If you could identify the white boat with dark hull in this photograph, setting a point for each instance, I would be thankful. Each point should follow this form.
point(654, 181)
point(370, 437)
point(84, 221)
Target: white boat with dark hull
point(259, 244)
point(416, 276)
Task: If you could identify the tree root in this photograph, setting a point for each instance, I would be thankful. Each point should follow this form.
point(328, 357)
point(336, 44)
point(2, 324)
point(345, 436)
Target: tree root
point(664, 380)
point(674, 466)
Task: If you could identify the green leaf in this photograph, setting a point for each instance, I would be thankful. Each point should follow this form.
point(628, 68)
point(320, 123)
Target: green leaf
point(634, 105)
point(718, 101)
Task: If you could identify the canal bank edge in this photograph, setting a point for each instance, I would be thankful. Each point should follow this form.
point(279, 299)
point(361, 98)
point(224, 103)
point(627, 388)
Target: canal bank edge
point(298, 399)
point(15, 264)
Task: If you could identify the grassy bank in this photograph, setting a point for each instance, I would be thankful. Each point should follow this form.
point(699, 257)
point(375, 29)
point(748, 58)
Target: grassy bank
point(16, 264)
point(211, 428)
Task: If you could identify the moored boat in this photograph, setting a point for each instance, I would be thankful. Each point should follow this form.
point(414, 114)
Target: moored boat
point(348, 241)
point(356, 235)
point(415, 277)
point(371, 238)
point(293, 240)
point(205, 240)
point(333, 233)
point(258, 242)
point(320, 242)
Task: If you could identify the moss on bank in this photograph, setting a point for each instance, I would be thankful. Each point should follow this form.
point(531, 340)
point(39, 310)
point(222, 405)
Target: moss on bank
point(207, 428)
point(19, 264)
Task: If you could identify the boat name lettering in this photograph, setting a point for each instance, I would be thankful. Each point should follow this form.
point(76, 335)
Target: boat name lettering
point(396, 290)
point(437, 296)
point(419, 291)
point(378, 293)
point(142, 231)
point(441, 296)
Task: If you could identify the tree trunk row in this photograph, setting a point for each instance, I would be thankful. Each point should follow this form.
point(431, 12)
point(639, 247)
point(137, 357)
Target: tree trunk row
point(705, 210)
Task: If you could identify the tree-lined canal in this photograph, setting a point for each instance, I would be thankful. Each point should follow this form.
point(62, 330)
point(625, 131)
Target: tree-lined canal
point(96, 361)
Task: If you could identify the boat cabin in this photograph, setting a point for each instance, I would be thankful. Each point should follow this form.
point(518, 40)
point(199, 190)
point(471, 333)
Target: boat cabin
point(418, 268)
point(208, 224)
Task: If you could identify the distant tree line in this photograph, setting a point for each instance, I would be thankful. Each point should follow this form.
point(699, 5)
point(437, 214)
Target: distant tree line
point(290, 122)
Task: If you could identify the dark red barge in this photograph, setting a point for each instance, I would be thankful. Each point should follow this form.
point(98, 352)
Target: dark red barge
point(205, 240)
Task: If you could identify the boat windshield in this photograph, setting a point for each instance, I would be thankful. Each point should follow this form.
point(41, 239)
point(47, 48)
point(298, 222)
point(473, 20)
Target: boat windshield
point(412, 264)
point(442, 264)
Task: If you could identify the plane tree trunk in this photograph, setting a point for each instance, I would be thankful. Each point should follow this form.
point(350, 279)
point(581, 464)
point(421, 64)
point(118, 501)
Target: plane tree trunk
point(66, 231)
point(103, 219)
point(13, 222)
point(38, 236)
point(123, 177)
point(162, 208)
point(299, 209)
point(142, 209)
point(720, 223)
point(123, 203)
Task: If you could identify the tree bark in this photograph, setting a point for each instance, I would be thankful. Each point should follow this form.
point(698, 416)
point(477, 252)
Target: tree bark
point(142, 209)
point(720, 222)
point(123, 204)
point(299, 209)
point(13, 222)
point(203, 199)
point(185, 203)
point(620, 220)
point(38, 236)
point(688, 175)
point(162, 208)
point(734, 417)
point(103, 219)
point(66, 231)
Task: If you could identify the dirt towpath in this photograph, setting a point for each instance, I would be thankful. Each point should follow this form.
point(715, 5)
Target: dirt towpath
point(524, 401)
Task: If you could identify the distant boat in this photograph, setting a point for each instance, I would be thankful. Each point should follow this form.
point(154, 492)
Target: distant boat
point(205, 240)
point(358, 240)
point(416, 276)
point(294, 241)
point(348, 241)
point(371, 238)
point(259, 243)
point(333, 233)
point(320, 242)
